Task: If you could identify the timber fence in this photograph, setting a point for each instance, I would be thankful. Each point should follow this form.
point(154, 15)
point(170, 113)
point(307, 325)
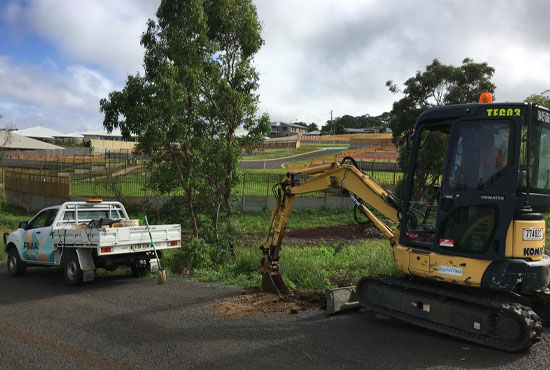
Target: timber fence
point(29, 183)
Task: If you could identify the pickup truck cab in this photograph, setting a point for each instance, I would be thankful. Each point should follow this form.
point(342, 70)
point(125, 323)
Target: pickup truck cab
point(82, 236)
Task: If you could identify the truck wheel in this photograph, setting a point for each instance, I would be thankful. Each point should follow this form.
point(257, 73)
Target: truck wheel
point(71, 268)
point(139, 270)
point(16, 267)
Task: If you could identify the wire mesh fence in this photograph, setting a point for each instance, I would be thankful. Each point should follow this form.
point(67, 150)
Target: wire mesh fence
point(121, 178)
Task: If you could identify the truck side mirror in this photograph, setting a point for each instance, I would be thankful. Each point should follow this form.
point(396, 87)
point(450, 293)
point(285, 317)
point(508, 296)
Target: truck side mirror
point(23, 224)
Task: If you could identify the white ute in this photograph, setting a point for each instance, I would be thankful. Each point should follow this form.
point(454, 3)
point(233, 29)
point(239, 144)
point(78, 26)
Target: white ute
point(82, 236)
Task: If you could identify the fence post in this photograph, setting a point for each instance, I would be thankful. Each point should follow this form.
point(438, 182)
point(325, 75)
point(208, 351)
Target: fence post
point(243, 193)
point(267, 191)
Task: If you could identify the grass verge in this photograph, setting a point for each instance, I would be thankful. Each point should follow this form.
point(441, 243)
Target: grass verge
point(319, 268)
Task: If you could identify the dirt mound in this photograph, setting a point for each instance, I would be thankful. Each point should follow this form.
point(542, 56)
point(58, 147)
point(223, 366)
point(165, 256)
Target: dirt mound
point(332, 234)
point(253, 301)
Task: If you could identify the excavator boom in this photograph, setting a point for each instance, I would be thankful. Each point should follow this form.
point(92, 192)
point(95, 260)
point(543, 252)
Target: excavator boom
point(338, 176)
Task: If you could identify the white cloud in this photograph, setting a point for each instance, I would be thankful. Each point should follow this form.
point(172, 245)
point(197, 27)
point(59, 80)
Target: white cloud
point(80, 88)
point(338, 55)
point(30, 93)
point(101, 32)
point(90, 82)
point(318, 56)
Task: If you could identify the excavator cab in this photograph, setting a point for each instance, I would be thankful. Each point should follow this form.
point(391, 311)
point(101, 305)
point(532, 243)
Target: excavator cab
point(476, 171)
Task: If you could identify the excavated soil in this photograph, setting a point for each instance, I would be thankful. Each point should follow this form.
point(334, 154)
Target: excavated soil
point(253, 301)
point(332, 234)
point(319, 235)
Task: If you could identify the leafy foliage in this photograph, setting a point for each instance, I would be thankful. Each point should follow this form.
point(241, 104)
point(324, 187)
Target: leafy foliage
point(439, 84)
point(542, 99)
point(365, 121)
point(198, 88)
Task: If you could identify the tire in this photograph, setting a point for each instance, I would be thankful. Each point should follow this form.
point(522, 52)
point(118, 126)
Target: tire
point(16, 267)
point(139, 270)
point(71, 269)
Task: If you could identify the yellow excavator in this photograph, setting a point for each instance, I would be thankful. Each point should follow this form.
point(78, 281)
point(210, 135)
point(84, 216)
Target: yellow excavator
point(469, 234)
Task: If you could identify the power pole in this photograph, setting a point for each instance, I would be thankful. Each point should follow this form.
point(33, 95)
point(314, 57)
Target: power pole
point(333, 128)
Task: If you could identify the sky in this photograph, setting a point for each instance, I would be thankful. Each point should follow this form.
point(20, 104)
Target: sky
point(58, 58)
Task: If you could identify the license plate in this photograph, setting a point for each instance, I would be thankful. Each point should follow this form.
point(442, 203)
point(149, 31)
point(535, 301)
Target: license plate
point(140, 247)
point(532, 233)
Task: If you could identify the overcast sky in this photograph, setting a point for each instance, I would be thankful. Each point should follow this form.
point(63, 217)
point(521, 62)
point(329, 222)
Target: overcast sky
point(58, 58)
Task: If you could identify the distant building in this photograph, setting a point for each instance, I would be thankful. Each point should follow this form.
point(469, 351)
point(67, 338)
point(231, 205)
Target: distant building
point(74, 138)
point(313, 133)
point(39, 133)
point(368, 130)
point(115, 135)
point(355, 130)
point(10, 140)
point(280, 129)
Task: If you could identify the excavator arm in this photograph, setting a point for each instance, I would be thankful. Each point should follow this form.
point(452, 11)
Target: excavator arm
point(341, 176)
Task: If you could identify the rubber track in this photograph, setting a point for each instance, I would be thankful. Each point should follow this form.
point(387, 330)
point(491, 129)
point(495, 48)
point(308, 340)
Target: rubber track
point(532, 326)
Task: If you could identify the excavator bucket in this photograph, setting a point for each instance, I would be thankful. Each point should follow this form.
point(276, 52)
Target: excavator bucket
point(272, 282)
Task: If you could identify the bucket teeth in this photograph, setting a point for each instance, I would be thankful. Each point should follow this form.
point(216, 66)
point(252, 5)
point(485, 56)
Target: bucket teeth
point(272, 282)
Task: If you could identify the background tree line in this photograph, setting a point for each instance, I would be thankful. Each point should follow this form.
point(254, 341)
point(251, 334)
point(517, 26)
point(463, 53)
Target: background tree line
point(338, 125)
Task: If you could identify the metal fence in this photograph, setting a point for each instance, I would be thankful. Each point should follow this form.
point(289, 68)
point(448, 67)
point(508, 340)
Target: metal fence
point(263, 183)
point(132, 179)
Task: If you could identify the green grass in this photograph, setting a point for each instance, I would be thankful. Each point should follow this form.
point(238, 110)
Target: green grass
point(258, 222)
point(10, 217)
point(313, 268)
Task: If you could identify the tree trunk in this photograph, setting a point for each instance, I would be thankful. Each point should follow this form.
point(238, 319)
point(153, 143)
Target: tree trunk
point(229, 184)
point(191, 211)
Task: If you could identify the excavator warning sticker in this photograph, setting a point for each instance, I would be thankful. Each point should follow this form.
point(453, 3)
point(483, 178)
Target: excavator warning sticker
point(446, 243)
point(449, 270)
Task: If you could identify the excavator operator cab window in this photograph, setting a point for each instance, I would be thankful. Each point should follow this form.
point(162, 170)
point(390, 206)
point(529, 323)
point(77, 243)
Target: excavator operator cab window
point(479, 156)
point(424, 194)
point(540, 155)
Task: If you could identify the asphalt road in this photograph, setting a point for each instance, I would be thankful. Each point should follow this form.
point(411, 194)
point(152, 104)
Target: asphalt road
point(119, 322)
point(270, 164)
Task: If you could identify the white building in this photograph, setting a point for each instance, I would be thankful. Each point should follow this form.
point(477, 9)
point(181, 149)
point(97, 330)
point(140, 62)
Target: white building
point(39, 133)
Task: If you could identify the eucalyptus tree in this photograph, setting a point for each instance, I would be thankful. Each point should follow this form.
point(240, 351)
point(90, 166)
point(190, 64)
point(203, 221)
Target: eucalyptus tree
point(198, 86)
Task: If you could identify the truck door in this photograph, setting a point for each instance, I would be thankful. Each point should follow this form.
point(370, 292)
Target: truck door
point(37, 246)
point(478, 192)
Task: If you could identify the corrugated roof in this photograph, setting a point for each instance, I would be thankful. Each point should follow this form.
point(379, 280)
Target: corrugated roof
point(71, 135)
point(116, 132)
point(40, 132)
point(11, 140)
point(289, 124)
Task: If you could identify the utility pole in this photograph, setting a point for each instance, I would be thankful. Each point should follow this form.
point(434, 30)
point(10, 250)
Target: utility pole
point(333, 129)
